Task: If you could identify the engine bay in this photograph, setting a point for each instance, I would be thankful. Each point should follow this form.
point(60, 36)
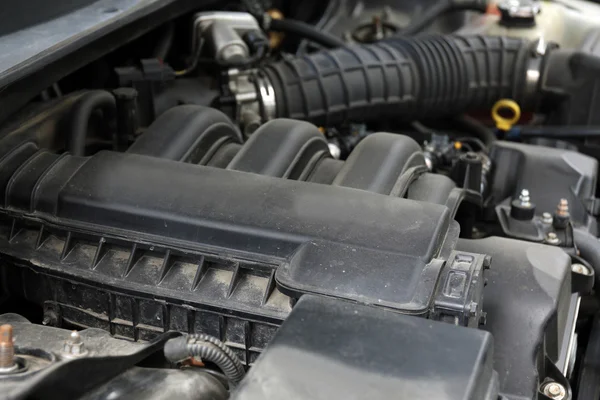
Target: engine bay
point(300, 200)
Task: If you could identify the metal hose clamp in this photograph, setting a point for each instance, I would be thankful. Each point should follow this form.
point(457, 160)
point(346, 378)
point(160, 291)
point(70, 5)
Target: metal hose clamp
point(266, 94)
point(534, 71)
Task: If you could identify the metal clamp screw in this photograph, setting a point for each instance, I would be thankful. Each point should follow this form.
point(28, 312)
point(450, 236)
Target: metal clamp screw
point(555, 391)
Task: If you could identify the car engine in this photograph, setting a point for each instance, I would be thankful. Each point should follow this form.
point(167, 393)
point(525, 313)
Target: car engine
point(260, 199)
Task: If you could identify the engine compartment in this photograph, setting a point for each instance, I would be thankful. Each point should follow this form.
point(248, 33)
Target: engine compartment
point(261, 200)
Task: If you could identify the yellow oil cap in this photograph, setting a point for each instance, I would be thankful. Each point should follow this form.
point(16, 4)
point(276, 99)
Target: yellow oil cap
point(506, 107)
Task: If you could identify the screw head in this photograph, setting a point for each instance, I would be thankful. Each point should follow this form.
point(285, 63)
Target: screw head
point(563, 208)
point(547, 218)
point(525, 198)
point(580, 269)
point(552, 238)
point(555, 391)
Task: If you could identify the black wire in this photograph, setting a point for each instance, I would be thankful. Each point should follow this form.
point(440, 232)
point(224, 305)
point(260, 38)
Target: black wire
point(477, 129)
point(328, 16)
point(422, 129)
point(467, 146)
point(195, 60)
point(306, 31)
point(476, 141)
point(261, 51)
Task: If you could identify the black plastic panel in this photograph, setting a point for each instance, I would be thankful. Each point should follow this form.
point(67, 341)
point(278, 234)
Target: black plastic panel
point(244, 212)
point(332, 350)
point(138, 245)
point(527, 301)
point(549, 174)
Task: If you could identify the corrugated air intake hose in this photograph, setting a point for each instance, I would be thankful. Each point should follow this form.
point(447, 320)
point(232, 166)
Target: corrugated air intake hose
point(402, 78)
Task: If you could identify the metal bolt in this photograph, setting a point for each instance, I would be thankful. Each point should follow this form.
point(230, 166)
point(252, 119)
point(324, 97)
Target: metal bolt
point(7, 350)
point(563, 208)
point(378, 32)
point(551, 238)
point(74, 346)
point(555, 391)
point(580, 269)
point(547, 218)
point(525, 198)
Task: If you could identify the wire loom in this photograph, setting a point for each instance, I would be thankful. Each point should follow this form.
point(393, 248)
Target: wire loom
point(206, 348)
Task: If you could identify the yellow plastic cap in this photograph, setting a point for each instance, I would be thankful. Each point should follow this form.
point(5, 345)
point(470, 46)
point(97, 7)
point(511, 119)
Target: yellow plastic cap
point(509, 107)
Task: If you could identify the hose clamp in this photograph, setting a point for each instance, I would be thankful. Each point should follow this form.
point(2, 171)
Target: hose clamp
point(254, 96)
point(266, 94)
point(534, 71)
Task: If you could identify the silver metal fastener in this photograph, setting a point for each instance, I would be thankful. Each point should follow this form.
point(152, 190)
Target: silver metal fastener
point(74, 346)
point(525, 198)
point(551, 238)
point(547, 218)
point(7, 350)
point(555, 391)
point(563, 208)
point(580, 269)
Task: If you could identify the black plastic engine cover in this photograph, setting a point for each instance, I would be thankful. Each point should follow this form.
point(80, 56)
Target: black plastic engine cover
point(138, 245)
point(333, 350)
point(526, 301)
point(201, 207)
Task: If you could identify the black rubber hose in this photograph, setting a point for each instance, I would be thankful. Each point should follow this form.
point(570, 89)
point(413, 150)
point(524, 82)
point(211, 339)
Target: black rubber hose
point(206, 348)
point(477, 129)
point(305, 31)
point(419, 23)
point(81, 112)
point(405, 79)
point(589, 248)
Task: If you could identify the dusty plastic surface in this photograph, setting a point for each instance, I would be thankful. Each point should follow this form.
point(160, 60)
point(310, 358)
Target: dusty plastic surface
point(137, 245)
point(526, 300)
point(333, 350)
